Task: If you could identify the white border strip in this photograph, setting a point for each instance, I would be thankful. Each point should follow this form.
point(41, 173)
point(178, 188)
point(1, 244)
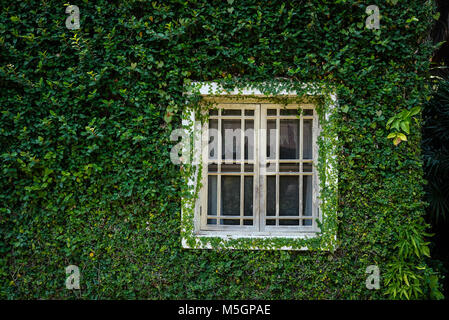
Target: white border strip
point(214, 89)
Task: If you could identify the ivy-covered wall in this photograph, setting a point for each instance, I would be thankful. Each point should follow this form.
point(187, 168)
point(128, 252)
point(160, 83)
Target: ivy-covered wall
point(86, 117)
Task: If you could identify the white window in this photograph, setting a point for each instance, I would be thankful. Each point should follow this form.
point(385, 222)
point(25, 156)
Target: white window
point(259, 173)
point(258, 169)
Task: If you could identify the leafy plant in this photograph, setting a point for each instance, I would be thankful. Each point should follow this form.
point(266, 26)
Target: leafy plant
point(86, 117)
point(435, 146)
point(401, 121)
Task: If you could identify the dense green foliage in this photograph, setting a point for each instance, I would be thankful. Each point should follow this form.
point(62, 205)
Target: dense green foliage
point(85, 126)
point(435, 145)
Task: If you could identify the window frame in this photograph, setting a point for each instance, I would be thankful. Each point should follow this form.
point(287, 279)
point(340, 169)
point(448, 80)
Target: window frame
point(211, 92)
point(228, 229)
point(259, 227)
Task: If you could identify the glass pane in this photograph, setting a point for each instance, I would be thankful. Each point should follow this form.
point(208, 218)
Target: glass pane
point(307, 196)
point(271, 139)
point(307, 167)
point(230, 222)
point(289, 167)
point(271, 196)
point(231, 112)
point(270, 222)
point(231, 167)
point(307, 222)
point(271, 112)
point(307, 112)
point(211, 221)
point(212, 196)
point(230, 133)
point(249, 139)
point(230, 195)
point(249, 168)
point(248, 192)
point(307, 143)
point(289, 112)
point(289, 196)
point(289, 139)
point(248, 222)
point(249, 112)
point(212, 167)
point(213, 139)
point(213, 112)
point(289, 222)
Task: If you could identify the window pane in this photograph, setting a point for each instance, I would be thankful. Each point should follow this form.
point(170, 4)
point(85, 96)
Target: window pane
point(213, 112)
point(307, 143)
point(231, 112)
point(249, 112)
point(289, 196)
point(289, 222)
point(213, 139)
point(230, 133)
point(307, 112)
point(289, 112)
point(230, 195)
point(307, 199)
point(271, 139)
point(212, 196)
point(271, 112)
point(307, 222)
point(307, 167)
point(248, 209)
point(231, 167)
point(289, 167)
point(271, 196)
point(249, 139)
point(230, 222)
point(289, 139)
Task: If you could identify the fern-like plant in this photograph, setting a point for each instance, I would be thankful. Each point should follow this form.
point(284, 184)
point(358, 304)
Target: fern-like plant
point(435, 147)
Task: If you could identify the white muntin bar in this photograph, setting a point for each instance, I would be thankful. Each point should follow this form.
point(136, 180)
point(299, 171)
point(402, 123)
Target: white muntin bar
point(301, 166)
point(278, 148)
point(204, 155)
point(256, 187)
point(219, 159)
point(242, 166)
point(262, 154)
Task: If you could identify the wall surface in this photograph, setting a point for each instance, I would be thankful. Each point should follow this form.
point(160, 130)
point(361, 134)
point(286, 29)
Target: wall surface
point(86, 117)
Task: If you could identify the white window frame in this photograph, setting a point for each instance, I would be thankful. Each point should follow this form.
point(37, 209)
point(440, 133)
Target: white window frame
point(213, 91)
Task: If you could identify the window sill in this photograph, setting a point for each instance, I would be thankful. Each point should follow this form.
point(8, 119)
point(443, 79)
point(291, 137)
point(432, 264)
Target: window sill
point(259, 241)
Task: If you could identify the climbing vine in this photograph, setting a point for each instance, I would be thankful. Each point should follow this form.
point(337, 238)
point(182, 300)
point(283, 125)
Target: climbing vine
point(327, 160)
point(87, 114)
